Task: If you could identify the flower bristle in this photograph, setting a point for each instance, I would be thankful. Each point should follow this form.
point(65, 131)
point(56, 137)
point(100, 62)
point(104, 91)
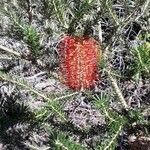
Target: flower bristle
point(79, 61)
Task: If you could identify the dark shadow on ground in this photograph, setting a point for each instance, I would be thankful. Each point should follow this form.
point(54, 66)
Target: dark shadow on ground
point(15, 122)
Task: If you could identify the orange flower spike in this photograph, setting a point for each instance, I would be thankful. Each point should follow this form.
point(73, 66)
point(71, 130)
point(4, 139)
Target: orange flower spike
point(79, 61)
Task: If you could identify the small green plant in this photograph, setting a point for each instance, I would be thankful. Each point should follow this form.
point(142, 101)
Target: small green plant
point(116, 122)
point(26, 32)
point(46, 112)
point(52, 105)
point(12, 111)
point(62, 141)
point(141, 60)
point(31, 37)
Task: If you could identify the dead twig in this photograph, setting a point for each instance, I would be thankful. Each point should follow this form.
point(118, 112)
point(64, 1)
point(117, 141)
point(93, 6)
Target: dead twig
point(29, 11)
point(10, 51)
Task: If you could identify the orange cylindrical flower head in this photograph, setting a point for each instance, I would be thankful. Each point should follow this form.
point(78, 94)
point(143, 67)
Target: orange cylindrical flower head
point(79, 58)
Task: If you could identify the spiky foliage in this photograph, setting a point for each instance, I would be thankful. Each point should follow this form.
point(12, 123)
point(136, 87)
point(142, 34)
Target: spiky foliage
point(51, 104)
point(112, 22)
point(141, 63)
point(26, 31)
point(59, 141)
point(116, 122)
point(31, 37)
point(12, 111)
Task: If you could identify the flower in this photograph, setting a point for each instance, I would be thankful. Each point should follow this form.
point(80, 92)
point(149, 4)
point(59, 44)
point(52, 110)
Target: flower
point(79, 61)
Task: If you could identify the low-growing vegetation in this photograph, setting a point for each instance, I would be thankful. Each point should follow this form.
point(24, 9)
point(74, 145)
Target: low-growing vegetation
point(103, 104)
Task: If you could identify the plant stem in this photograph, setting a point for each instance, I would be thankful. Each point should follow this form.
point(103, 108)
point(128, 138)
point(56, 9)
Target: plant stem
point(114, 138)
point(4, 77)
point(117, 90)
point(10, 51)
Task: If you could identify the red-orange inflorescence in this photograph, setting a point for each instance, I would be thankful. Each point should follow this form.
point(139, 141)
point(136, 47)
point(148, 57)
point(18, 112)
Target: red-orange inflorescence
point(79, 58)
